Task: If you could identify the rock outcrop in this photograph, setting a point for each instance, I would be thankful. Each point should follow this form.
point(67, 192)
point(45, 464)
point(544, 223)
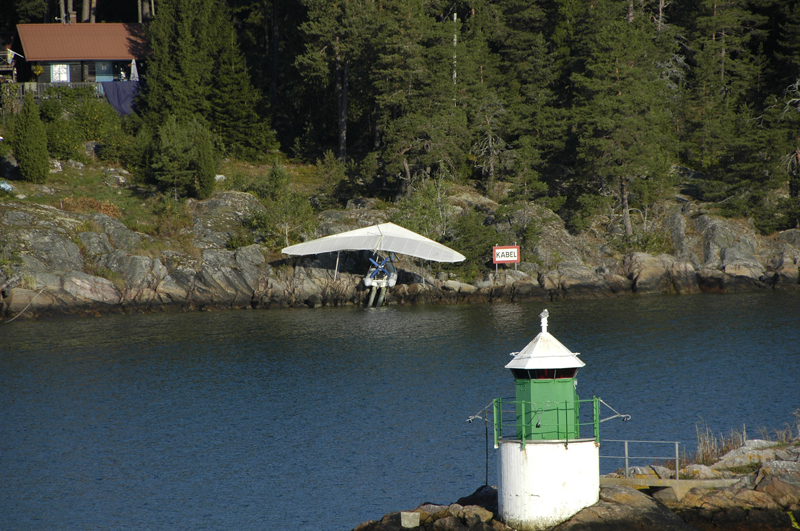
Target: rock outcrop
point(54, 262)
point(766, 499)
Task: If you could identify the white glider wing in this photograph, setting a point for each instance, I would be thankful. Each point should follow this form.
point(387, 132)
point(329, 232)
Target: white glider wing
point(386, 237)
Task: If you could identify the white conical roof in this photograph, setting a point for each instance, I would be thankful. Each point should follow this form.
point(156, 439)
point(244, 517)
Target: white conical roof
point(545, 352)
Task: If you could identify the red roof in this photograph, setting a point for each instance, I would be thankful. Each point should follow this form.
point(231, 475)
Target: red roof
point(82, 42)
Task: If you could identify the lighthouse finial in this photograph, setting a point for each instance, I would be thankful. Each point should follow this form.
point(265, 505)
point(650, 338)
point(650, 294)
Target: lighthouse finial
point(544, 315)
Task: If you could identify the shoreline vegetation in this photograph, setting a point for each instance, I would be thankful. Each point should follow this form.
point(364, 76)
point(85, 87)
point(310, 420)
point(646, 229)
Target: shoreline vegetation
point(474, 125)
point(91, 242)
point(764, 497)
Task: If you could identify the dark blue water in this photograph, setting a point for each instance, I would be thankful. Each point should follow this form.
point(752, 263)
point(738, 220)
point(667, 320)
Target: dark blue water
point(322, 419)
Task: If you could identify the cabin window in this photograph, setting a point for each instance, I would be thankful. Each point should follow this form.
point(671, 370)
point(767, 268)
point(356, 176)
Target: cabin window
point(59, 73)
point(104, 71)
point(543, 374)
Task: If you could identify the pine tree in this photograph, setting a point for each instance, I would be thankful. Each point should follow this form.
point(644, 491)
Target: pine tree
point(788, 48)
point(184, 159)
point(234, 102)
point(30, 143)
point(180, 70)
point(624, 129)
point(532, 119)
point(337, 35)
point(724, 79)
point(423, 125)
point(196, 72)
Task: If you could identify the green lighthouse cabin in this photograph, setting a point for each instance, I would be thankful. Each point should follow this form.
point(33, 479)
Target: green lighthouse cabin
point(545, 380)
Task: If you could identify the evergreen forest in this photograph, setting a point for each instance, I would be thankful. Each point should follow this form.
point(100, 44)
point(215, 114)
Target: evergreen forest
point(585, 107)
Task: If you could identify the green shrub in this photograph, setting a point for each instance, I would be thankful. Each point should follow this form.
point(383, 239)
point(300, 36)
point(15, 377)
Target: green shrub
point(114, 145)
point(241, 238)
point(475, 241)
point(51, 110)
point(30, 143)
point(138, 153)
point(184, 159)
point(586, 208)
point(8, 95)
point(65, 140)
point(268, 187)
point(5, 146)
point(96, 119)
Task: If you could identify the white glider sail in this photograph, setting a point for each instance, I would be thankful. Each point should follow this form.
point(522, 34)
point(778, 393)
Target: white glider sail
point(386, 237)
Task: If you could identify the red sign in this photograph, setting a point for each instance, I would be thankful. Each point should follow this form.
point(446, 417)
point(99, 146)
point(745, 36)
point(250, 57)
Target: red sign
point(508, 254)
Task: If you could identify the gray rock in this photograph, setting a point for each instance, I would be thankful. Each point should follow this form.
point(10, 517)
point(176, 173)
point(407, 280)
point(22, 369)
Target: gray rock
point(622, 508)
point(575, 282)
point(676, 224)
point(753, 451)
point(661, 274)
point(726, 242)
point(220, 217)
point(121, 237)
point(791, 236)
point(95, 243)
point(361, 203)
point(45, 250)
point(786, 269)
point(90, 290)
point(700, 472)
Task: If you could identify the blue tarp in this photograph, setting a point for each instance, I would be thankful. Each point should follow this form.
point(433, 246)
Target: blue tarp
point(120, 95)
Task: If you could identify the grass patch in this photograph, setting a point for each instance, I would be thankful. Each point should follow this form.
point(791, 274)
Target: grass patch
point(89, 204)
point(711, 447)
point(742, 470)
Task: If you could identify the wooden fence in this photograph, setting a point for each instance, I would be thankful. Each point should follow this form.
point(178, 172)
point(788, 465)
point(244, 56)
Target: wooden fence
point(39, 90)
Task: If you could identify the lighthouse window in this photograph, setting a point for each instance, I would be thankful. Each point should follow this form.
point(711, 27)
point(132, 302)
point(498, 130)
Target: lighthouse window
point(543, 374)
point(566, 373)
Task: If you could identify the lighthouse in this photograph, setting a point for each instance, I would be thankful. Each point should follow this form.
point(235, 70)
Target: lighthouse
point(547, 471)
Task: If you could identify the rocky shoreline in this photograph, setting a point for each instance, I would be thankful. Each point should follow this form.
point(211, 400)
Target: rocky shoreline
point(765, 499)
point(55, 263)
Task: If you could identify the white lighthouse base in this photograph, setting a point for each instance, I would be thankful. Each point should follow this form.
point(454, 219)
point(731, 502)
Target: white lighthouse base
point(547, 482)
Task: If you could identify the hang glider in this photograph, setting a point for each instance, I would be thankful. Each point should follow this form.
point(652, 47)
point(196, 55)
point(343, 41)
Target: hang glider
point(385, 237)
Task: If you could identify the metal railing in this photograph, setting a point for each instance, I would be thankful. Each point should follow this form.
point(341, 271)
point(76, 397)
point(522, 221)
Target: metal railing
point(562, 412)
point(627, 456)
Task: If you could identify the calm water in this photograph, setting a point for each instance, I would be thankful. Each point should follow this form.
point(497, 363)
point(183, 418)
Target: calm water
point(319, 420)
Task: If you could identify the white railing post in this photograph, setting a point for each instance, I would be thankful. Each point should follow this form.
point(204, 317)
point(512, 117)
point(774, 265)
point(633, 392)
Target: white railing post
point(626, 459)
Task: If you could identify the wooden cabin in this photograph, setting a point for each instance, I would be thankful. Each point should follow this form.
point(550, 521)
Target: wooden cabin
point(79, 53)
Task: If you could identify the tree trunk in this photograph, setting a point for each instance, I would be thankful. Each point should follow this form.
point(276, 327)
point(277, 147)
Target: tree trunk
point(408, 177)
point(273, 82)
point(376, 113)
point(342, 72)
point(794, 178)
point(626, 214)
